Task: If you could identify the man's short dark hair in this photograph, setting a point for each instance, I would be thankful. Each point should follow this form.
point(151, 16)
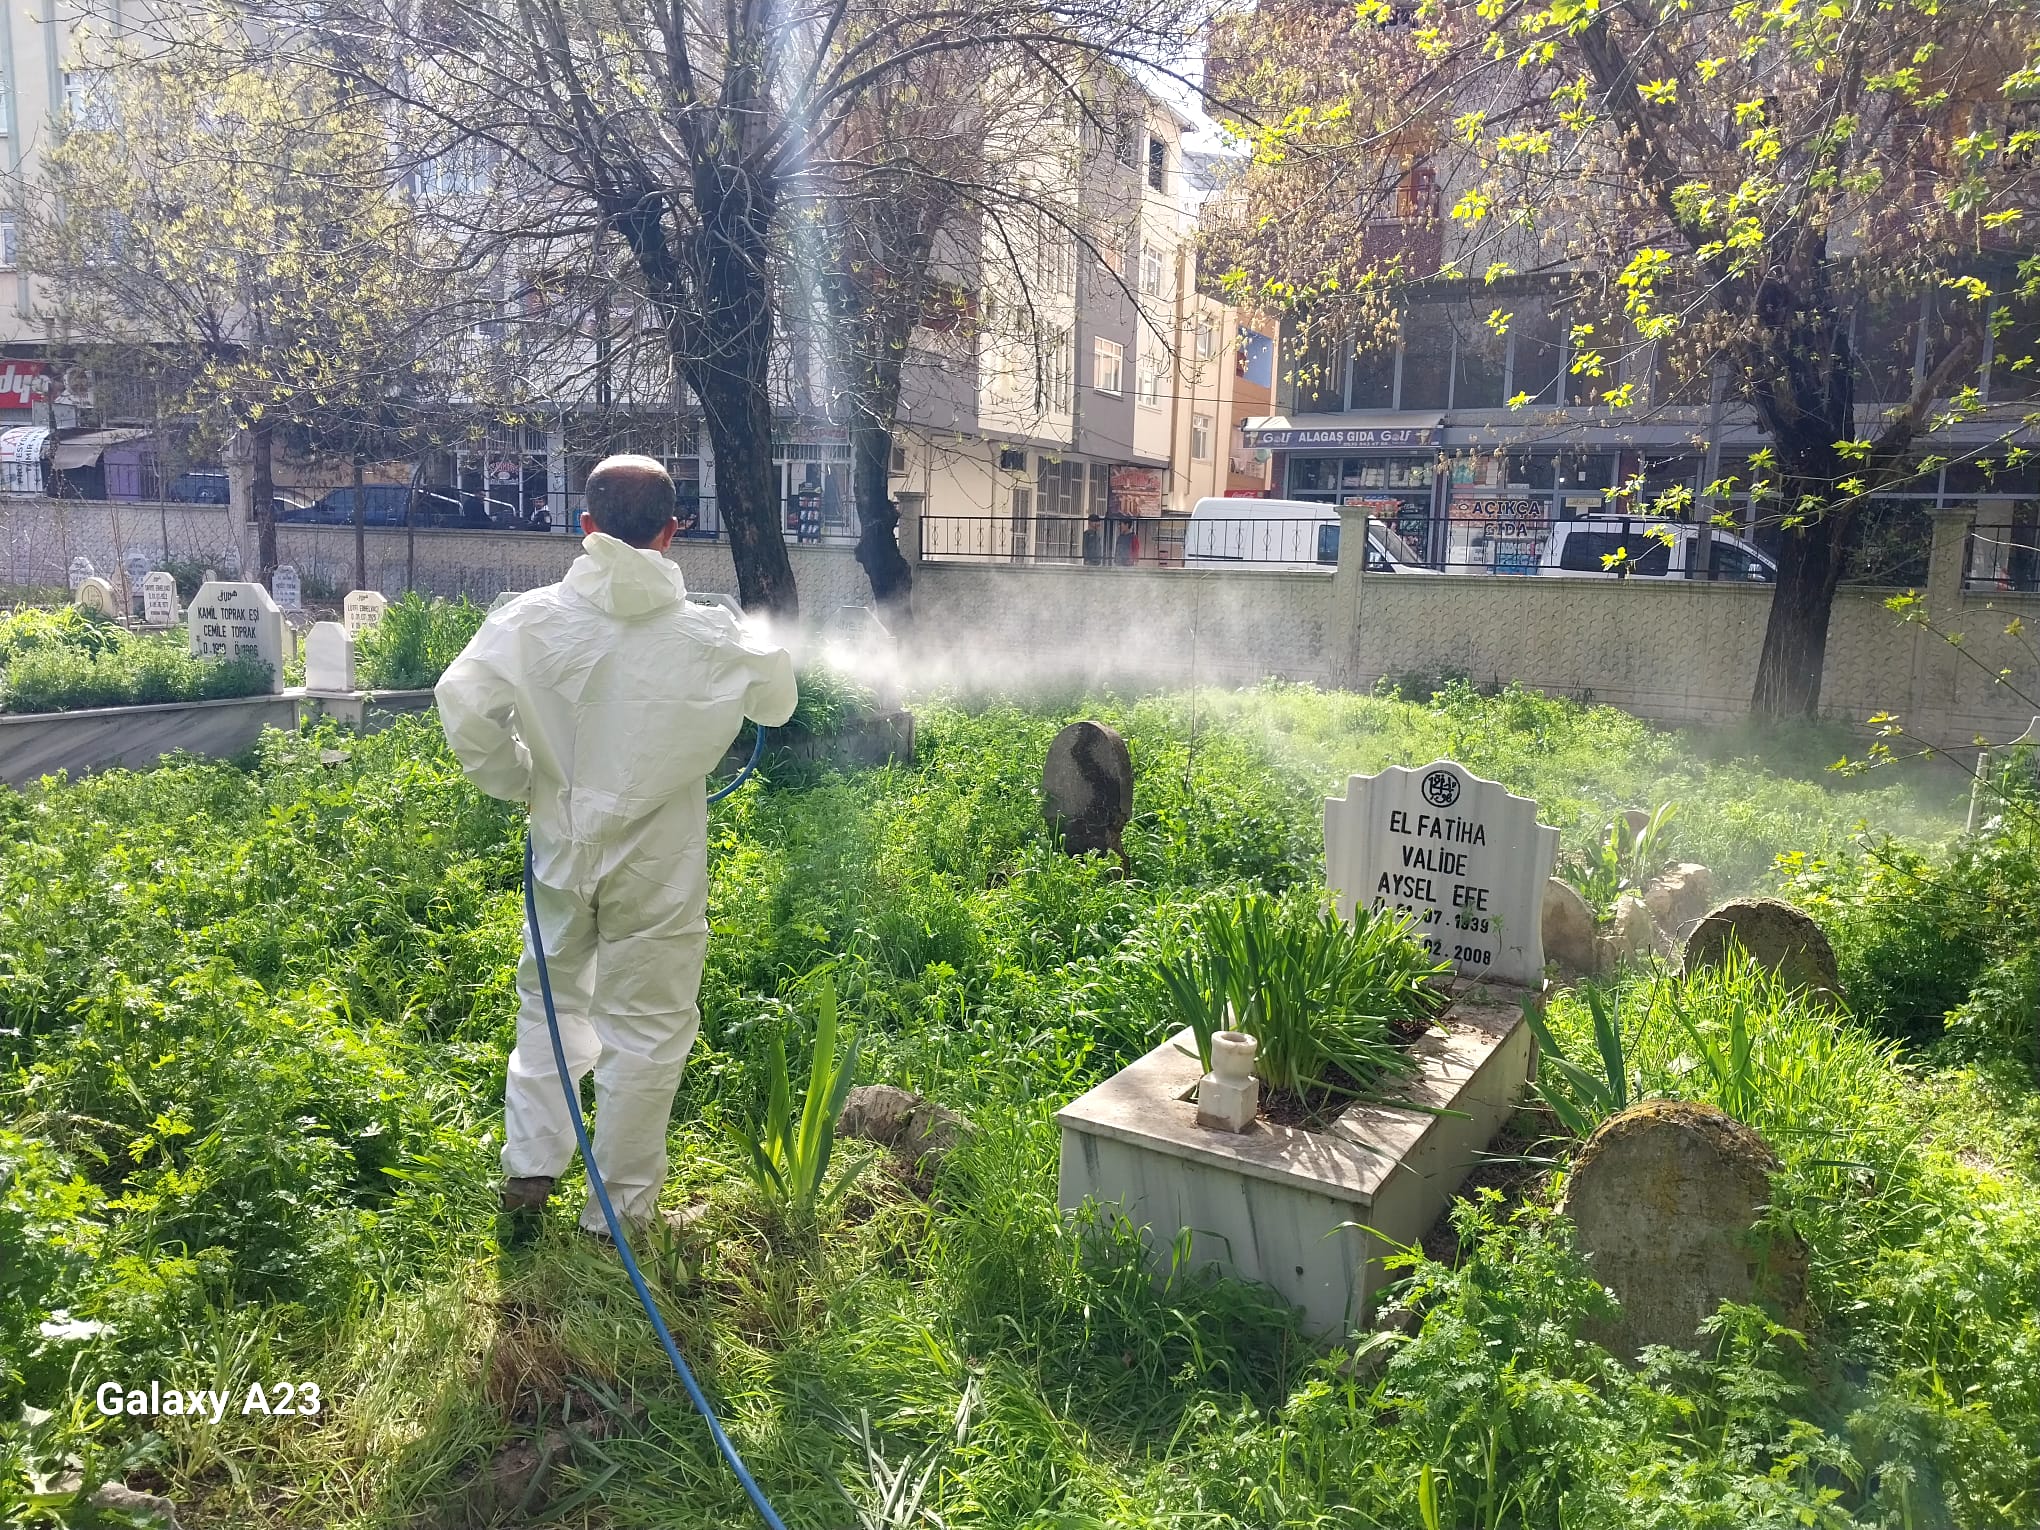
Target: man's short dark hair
point(631, 498)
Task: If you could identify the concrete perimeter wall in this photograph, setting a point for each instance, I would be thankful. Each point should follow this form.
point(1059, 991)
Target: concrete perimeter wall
point(1671, 651)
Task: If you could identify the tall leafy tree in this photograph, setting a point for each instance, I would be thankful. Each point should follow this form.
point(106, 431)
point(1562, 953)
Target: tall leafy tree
point(235, 216)
point(1703, 192)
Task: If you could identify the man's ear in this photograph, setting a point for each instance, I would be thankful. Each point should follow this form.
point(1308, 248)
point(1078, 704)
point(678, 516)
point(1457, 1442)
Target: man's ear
point(588, 526)
point(664, 539)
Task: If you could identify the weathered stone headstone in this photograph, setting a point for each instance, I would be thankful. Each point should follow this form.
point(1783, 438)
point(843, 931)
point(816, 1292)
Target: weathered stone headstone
point(159, 599)
point(137, 568)
point(287, 588)
point(1679, 896)
point(919, 1131)
point(94, 594)
point(362, 609)
point(234, 620)
point(1465, 857)
point(1777, 936)
point(1631, 930)
point(1087, 788)
point(1666, 1197)
point(1569, 935)
point(503, 598)
point(231, 562)
point(329, 658)
point(81, 570)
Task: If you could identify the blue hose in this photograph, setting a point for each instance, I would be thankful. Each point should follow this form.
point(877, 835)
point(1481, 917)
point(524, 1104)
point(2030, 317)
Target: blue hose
point(609, 1217)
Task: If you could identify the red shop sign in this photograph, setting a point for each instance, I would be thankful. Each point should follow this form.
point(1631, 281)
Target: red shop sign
point(22, 383)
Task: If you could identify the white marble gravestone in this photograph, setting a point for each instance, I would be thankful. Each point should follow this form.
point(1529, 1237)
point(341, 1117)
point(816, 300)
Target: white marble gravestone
point(1463, 856)
point(329, 658)
point(287, 588)
point(363, 610)
point(94, 594)
point(233, 620)
point(159, 599)
point(81, 570)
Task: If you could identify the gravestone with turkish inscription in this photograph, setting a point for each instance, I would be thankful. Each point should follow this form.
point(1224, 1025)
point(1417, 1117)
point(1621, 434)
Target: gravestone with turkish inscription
point(94, 594)
point(232, 619)
point(81, 570)
point(1087, 788)
point(159, 599)
point(363, 609)
point(288, 589)
point(329, 658)
point(1464, 858)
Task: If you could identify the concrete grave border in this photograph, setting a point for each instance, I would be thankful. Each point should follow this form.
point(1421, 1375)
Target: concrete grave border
point(1285, 1206)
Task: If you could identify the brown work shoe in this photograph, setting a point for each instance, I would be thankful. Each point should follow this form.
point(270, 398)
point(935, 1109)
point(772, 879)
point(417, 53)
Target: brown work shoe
point(529, 1194)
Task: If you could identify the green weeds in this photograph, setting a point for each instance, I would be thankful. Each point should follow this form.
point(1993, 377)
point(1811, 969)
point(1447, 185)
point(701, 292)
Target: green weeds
point(252, 1026)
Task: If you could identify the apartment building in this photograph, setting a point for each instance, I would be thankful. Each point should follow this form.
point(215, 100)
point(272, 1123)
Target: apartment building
point(1111, 401)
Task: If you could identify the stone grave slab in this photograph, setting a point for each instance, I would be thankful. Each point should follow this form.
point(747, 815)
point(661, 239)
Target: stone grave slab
point(159, 599)
point(232, 619)
point(1087, 788)
point(95, 594)
point(81, 570)
point(329, 658)
point(1466, 858)
point(287, 588)
point(1666, 1197)
point(362, 610)
point(1779, 937)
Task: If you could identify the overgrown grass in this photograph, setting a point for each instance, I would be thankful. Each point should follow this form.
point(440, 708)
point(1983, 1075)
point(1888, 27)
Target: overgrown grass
point(252, 1024)
point(409, 649)
point(67, 659)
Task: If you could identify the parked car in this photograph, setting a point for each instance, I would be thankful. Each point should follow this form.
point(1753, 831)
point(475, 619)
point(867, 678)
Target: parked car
point(386, 504)
point(1292, 534)
point(1652, 549)
point(210, 488)
point(201, 488)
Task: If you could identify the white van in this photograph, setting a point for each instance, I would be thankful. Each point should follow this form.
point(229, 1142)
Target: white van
point(1650, 549)
point(1294, 534)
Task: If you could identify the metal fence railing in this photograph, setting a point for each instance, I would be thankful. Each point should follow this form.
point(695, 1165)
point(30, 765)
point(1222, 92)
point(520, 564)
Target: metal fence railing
point(1295, 544)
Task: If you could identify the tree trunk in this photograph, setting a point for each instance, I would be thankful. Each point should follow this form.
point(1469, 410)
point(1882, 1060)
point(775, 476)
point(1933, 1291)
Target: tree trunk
point(1795, 637)
point(262, 496)
point(360, 530)
point(411, 529)
point(727, 364)
point(878, 520)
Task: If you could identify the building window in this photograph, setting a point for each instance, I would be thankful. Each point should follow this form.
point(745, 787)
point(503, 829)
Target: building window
point(1055, 257)
point(6, 107)
point(1207, 340)
point(7, 243)
point(1200, 438)
point(1052, 390)
point(1108, 365)
point(1158, 164)
point(1149, 393)
point(1129, 142)
point(86, 103)
point(1150, 269)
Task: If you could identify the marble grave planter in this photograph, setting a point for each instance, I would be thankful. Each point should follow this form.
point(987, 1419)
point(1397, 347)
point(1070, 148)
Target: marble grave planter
point(1285, 1206)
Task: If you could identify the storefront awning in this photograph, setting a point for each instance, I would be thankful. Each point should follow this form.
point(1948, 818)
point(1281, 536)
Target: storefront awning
point(1354, 428)
point(83, 451)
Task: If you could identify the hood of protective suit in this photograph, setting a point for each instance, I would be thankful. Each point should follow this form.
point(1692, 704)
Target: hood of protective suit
point(623, 580)
point(604, 701)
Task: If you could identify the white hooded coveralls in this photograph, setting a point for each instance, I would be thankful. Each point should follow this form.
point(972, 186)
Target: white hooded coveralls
point(603, 702)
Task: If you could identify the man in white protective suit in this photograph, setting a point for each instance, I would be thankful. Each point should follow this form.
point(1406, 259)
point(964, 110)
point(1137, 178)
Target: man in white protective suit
point(603, 702)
